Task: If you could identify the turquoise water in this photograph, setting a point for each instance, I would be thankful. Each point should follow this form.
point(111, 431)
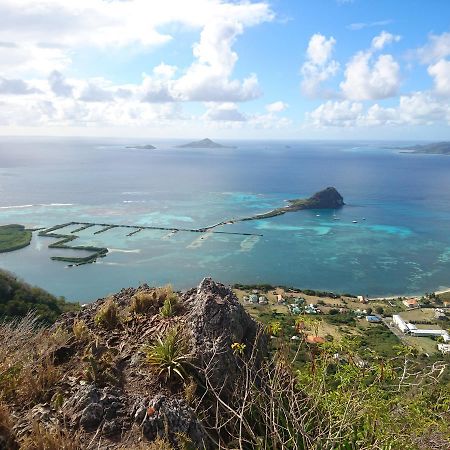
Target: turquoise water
point(402, 246)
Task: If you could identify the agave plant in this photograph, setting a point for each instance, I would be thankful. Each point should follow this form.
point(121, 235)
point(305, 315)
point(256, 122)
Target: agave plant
point(169, 355)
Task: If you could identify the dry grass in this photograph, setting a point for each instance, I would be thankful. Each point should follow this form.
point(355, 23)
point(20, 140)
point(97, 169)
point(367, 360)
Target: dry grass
point(80, 331)
point(36, 381)
point(27, 372)
point(144, 302)
point(50, 439)
point(7, 436)
point(108, 315)
point(157, 444)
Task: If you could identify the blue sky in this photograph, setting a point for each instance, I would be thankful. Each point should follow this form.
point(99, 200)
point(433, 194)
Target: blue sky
point(322, 69)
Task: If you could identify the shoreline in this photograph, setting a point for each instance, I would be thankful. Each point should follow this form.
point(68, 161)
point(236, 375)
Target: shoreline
point(394, 297)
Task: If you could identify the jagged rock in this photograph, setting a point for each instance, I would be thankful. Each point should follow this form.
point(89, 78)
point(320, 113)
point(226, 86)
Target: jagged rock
point(91, 416)
point(166, 417)
point(217, 320)
point(91, 406)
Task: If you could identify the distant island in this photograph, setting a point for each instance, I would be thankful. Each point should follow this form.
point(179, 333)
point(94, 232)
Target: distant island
point(437, 148)
point(142, 147)
point(204, 143)
point(328, 198)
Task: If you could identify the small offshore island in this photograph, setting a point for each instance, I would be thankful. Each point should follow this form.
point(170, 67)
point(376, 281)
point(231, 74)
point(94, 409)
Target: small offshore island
point(204, 143)
point(141, 147)
point(328, 198)
point(437, 148)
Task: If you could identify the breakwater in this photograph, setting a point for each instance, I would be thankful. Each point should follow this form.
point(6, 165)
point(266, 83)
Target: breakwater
point(63, 240)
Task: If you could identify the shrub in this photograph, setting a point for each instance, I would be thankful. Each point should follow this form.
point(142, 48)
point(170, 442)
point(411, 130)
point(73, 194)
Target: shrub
point(169, 355)
point(101, 365)
point(274, 328)
point(333, 311)
point(108, 315)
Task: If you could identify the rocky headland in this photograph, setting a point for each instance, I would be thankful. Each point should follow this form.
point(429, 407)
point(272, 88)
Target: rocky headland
point(436, 148)
point(328, 198)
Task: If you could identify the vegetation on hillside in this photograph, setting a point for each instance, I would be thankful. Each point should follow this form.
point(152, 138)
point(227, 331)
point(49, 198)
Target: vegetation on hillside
point(17, 299)
point(294, 395)
point(13, 237)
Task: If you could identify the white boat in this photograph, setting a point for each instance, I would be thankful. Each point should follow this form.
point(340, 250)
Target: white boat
point(354, 221)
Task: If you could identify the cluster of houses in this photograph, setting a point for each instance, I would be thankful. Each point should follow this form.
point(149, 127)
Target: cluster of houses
point(257, 299)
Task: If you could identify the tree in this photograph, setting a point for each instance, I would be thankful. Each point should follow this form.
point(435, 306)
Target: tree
point(379, 310)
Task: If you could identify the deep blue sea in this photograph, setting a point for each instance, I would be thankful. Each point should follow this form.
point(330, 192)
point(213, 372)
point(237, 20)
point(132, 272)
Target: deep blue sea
point(402, 246)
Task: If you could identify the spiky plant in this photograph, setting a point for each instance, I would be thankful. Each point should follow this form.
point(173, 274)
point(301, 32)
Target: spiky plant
point(169, 355)
point(171, 306)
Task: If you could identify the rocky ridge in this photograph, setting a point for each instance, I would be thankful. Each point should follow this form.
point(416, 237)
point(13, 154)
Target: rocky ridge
point(109, 393)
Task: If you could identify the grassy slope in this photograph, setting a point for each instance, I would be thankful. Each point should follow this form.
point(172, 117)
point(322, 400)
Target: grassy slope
point(13, 237)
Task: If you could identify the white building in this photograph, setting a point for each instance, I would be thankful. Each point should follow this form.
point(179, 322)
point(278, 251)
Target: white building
point(400, 323)
point(262, 300)
point(423, 333)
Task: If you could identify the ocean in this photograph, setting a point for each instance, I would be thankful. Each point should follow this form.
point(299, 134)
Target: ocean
point(401, 203)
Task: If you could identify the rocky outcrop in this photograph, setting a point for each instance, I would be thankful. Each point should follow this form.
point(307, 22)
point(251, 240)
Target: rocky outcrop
point(108, 392)
point(162, 416)
point(328, 198)
point(217, 320)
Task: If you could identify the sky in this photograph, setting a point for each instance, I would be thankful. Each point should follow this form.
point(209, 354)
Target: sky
point(275, 69)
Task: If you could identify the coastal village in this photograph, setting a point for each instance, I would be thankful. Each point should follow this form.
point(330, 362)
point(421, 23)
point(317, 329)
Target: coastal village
point(421, 323)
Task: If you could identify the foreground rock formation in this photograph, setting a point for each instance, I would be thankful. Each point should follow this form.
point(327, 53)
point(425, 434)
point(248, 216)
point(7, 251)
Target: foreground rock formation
point(108, 393)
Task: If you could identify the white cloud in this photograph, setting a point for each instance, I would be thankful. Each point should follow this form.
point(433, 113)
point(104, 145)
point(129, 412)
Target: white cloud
point(41, 35)
point(366, 79)
point(361, 25)
point(95, 92)
point(39, 39)
point(384, 38)
point(15, 87)
point(224, 112)
point(320, 48)
point(165, 70)
point(416, 109)
point(276, 106)
point(59, 85)
point(438, 47)
point(208, 78)
point(318, 67)
point(335, 113)
point(441, 74)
